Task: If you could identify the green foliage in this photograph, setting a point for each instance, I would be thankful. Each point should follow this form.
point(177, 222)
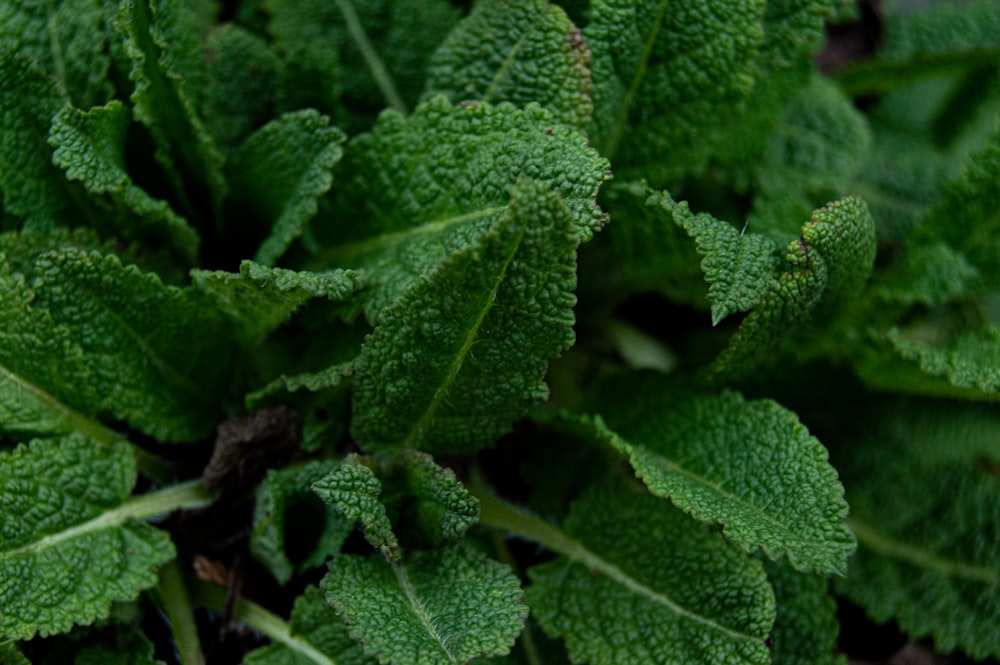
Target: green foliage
point(390, 227)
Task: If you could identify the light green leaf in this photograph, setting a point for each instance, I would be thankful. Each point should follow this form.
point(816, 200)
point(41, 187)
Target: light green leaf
point(162, 40)
point(667, 77)
point(463, 352)
point(258, 299)
point(157, 356)
point(429, 184)
point(69, 547)
point(439, 606)
point(286, 511)
point(90, 147)
point(970, 360)
point(739, 267)
point(318, 625)
point(65, 39)
point(354, 489)
point(519, 52)
point(444, 510)
point(279, 173)
point(640, 582)
point(750, 466)
point(806, 626)
point(925, 505)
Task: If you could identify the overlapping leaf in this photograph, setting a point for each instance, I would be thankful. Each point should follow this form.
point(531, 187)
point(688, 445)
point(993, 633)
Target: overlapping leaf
point(69, 551)
point(645, 583)
point(805, 628)
point(443, 510)
point(463, 352)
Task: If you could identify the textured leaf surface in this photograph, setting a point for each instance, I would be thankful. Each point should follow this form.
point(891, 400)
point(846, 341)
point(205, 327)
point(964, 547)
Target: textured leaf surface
point(927, 523)
point(66, 39)
point(335, 376)
point(318, 624)
point(806, 626)
point(971, 360)
point(439, 606)
point(748, 465)
point(66, 554)
point(738, 267)
point(156, 356)
point(648, 584)
point(667, 75)
point(444, 509)
point(463, 352)
point(423, 187)
point(90, 147)
point(162, 41)
point(286, 511)
point(830, 261)
point(519, 52)
point(279, 173)
point(354, 489)
point(258, 299)
point(44, 379)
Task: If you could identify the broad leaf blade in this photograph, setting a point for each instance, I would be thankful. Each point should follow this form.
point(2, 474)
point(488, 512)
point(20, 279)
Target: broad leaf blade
point(518, 52)
point(67, 554)
point(443, 509)
point(440, 606)
point(806, 626)
point(750, 466)
point(659, 588)
point(463, 352)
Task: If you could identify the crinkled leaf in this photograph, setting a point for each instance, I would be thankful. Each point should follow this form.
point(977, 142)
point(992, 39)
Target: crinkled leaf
point(925, 505)
point(157, 356)
point(66, 39)
point(69, 549)
point(258, 299)
point(45, 383)
point(739, 267)
point(287, 518)
point(333, 377)
point(162, 40)
point(520, 52)
point(438, 606)
point(970, 360)
point(806, 626)
point(354, 489)
point(829, 262)
point(750, 466)
point(444, 510)
point(279, 173)
point(90, 147)
point(318, 625)
point(667, 78)
point(793, 27)
point(463, 352)
point(645, 583)
point(427, 185)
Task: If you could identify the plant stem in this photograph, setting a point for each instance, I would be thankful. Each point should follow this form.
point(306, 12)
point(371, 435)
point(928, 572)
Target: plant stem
point(177, 606)
point(379, 72)
point(261, 620)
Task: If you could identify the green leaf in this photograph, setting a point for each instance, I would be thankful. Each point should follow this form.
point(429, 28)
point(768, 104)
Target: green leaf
point(969, 360)
point(827, 268)
point(123, 646)
point(65, 39)
point(925, 505)
point(793, 27)
point(750, 466)
point(806, 626)
point(258, 299)
point(162, 41)
point(293, 529)
point(354, 489)
point(444, 510)
point(440, 606)
point(90, 147)
point(738, 267)
point(667, 78)
point(318, 625)
point(463, 352)
point(157, 356)
point(333, 377)
point(70, 548)
point(280, 172)
point(45, 383)
point(520, 52)
point(641, 582)
point(429, 184)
